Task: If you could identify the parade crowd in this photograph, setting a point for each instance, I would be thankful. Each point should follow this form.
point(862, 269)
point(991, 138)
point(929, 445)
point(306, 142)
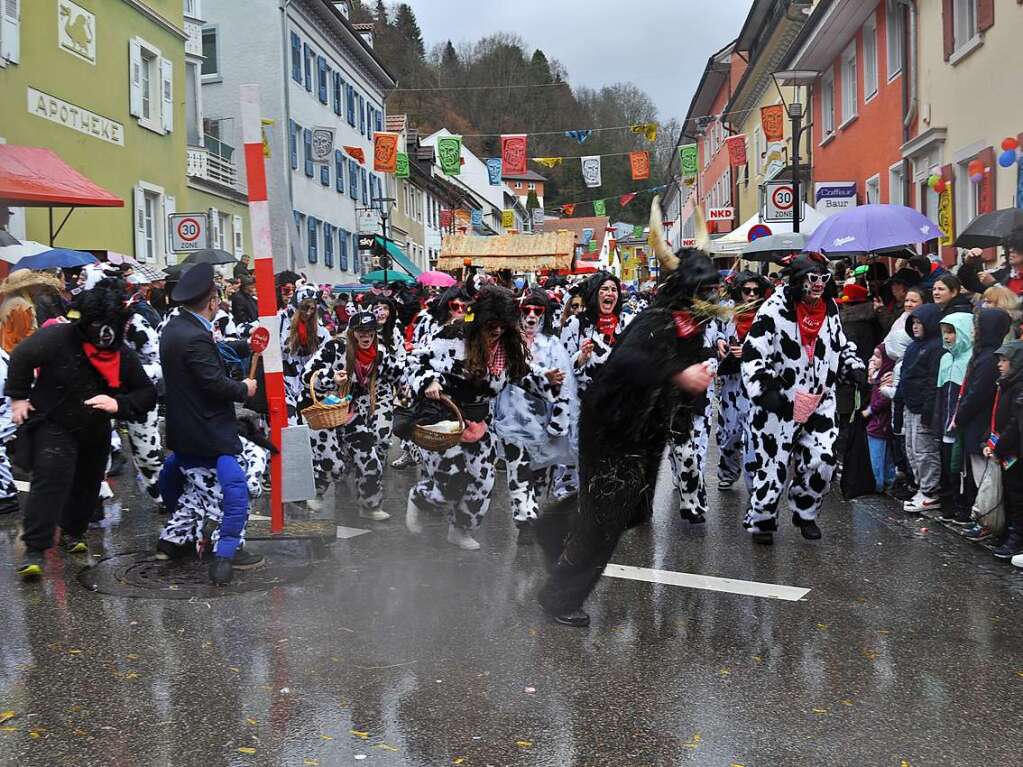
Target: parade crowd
point(894, 376)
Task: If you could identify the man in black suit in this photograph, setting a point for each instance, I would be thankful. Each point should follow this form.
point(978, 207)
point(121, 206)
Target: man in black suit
point(243, 303)
point(202, 428)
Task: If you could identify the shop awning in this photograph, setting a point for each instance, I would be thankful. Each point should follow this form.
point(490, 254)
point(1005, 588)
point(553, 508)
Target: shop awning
point(34, 177)
point(399, 257)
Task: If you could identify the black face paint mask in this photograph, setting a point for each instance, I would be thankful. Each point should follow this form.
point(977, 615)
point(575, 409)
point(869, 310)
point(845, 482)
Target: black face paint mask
point(102, 335)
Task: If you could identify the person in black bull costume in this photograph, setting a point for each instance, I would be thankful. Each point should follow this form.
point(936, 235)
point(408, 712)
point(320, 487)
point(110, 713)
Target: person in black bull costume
point(647, 392)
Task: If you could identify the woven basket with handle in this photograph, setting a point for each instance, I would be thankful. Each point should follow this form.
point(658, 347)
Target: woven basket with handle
point(436, 441)
point(320, 416)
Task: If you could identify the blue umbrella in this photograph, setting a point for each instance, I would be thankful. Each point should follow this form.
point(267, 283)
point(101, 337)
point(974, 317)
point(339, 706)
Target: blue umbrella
point(58, 258)
point(871, 228)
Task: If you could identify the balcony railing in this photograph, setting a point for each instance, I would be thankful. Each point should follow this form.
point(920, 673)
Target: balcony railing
point(213, 162)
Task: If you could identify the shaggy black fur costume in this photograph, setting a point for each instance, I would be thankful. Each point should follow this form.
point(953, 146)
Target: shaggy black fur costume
point(628, 414)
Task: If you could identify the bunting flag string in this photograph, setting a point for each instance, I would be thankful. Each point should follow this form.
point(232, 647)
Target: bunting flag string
point(646, 129)
point(567, 209)
point(356, 154)
point(579, 135)
point(401, 166)
point(640, 163)
point(625, 199)
point(385, 152)
point(548, 162)
point(494, 171)
point(599, 207)
point(514, 154)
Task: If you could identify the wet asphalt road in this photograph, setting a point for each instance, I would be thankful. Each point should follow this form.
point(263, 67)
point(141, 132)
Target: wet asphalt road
point(402, 651)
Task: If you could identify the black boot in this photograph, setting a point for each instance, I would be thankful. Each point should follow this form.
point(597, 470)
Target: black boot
point(117, 464)
point(220, 571)
point(9, 505)
point(807, 527)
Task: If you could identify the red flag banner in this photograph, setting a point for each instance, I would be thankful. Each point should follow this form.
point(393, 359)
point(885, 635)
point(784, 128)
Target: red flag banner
point(569, 209)
point(772, 120)
point(445, 219)
point(513, 154)
point(385, 152)
point(625, 199)
point(356, 153)
point(640, 162)
point(736, 150)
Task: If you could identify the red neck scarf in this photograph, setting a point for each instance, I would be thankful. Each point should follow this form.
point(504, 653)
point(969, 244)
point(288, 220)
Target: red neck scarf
point(364, 360)
point(607, 324)
point(743, 322)
point(810, 319)
point(107, 363)
point(303, 334)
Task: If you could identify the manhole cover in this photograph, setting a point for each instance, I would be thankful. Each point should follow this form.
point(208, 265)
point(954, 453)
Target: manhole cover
point(138, 575)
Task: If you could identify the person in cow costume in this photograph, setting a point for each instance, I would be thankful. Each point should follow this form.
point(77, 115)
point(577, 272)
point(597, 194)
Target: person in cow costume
point(793, 359)
point(647, 392)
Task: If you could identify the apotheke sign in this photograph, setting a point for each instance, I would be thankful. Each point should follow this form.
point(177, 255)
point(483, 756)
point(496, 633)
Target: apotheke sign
point(75, 117)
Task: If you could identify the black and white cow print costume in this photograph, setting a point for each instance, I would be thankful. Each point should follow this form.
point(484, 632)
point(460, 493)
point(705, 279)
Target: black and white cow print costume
point(294, 360)
point(144, 436)
point(8, 490)
point(459, 481)
point(536, 433)
point(202, 499)
point(776, 371)
point(358, 447)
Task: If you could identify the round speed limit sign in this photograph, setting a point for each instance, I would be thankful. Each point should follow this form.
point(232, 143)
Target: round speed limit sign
point(189, 230)
point(782, 198)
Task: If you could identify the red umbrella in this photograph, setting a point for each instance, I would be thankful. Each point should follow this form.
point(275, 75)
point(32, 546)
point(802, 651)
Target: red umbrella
point(436, 279)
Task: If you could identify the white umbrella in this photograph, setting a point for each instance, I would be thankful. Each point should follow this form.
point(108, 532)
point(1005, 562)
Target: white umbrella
point(12, 254)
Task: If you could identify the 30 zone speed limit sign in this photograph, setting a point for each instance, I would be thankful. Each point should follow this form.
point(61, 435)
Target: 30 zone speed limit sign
point(778, 201)
point(188, 232)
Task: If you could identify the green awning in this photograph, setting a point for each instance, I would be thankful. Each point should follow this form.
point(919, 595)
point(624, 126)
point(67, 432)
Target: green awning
point(400, 258)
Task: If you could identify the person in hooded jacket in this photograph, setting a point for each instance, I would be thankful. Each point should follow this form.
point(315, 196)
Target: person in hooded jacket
point(878, 415)
point(973, 415)
point(1004, 442)
point(957, 333)
point(863, 329)
point(916, 392)
point(895, 344)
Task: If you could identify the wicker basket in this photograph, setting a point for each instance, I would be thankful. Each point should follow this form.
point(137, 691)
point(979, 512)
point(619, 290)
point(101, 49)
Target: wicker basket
point(435, 441)
point(320, 416)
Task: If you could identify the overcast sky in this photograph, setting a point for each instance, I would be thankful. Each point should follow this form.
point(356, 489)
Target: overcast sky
point(660, 45)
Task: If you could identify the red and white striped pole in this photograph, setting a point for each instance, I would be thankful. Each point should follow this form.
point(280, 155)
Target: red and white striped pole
point(262, 253)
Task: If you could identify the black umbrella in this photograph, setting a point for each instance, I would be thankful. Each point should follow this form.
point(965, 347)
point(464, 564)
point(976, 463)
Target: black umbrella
point(770, 247)
point(213, 256)
point(6, 238)
point(990, 229)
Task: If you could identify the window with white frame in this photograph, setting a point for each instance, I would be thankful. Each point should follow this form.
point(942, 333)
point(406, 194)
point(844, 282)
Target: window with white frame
point(873, 190)
point(828, 105)
point(968, 200)
point(210, 53)
point(148, 221)
point(964, 22)
point(10, 35)
point(896, 185)
point(870, 58)
point(849, 91)
point(532, 186)
point(895, 30)
point(151, 91)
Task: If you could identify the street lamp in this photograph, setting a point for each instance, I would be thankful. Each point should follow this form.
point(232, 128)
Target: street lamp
point(795, 78)
point(385, 260)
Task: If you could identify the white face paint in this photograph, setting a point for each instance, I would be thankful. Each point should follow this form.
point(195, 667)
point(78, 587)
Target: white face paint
point(531, 319)
point(815, 284)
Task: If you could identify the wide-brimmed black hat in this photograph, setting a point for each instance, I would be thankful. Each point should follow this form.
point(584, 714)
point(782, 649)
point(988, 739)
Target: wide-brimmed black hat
point(193, 284)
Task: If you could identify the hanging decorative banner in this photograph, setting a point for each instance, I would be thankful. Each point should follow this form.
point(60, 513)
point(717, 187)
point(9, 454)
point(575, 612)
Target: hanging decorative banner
point(946, 218)
point(513, 154)
point(592, 247)
point(449, 152)
point(568, 209)
point(385, 152)
point(736, 150)
point(548, 162)
point(646, 129)
point(494, 170)
point(688, 162)
point(477, 218)
point(772, 120)
point(599, 208)
point(591, 171)
point(579, 135)
point(401, 166)
point(445, 219)
point(625, 199)
point(538, 219)
point(508, 219)
point(356, 153)
point(586, 236)
point(637, 231)
point(640, 162)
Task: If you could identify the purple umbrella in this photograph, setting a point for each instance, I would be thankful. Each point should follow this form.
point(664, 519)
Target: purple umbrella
point(871, 228)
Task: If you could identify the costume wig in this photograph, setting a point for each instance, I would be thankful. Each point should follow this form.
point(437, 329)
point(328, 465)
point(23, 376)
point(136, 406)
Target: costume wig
point(386, 331)
point(590, 291)
point(799, 267)
point(440, 311)
point(494, 304)
point(103, 314)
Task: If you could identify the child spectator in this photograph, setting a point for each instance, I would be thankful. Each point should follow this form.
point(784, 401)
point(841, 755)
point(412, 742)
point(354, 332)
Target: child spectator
point(957, 339)
point(879, 419)
point(1004, 444)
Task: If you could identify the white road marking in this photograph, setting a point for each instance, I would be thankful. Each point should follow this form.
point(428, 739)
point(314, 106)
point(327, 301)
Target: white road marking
point(350, 532)
point(707, 582)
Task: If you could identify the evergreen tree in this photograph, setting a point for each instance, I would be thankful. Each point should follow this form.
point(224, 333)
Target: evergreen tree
point(408, 29)
point(381, 15)
point(539, 68)
point(449, 59)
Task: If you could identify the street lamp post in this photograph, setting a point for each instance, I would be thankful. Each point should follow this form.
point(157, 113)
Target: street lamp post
point(796, 115)
point(385, 260)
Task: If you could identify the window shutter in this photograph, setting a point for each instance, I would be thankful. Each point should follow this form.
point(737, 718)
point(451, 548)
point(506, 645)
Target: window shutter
point(215, 233)
point(336, 93)
point(293, 143)
point(312, 239)
point(307, 147)
point(364, 185)
point(342, 250)
point(321, 78)
point(353, 179)
point(139, 223)
point(362, 114)
point(170, 207)
point(167, 93)
point(296, 58)
point(306, 61)
point(985, 14)
point(948, 27)
point(135, 78)
point(325, 174)
point(10, 46)
point(239, 236)
point(339, 170)
point(328, 245)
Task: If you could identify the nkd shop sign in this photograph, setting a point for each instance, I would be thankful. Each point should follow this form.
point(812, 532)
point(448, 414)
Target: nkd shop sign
point(75, 117)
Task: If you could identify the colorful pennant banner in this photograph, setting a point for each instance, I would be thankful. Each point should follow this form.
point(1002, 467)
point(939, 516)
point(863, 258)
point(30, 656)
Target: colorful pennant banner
point(385, 152)
point(477, 218)
point(625, 199)
point(508, 219)
point(494, 171)
point(449, 152)
point(568, 209)
point(736, 150)
point(514, 154)
point(646, 129)
point(356, 153)
point(640, 162)
point(548, 162)
point(688, 162)
point(599, 208)
point(579, 135)
point(401, 166)
point(772, 120)
point(591, 171)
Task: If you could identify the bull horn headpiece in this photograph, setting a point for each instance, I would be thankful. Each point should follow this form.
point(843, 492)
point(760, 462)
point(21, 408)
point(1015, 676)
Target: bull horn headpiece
point(667, 259)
